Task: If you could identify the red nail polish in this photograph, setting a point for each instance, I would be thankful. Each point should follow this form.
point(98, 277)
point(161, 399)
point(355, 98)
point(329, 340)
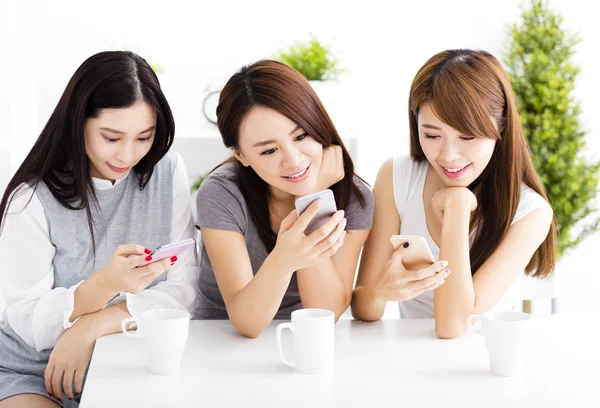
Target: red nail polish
point(173, 258)
point(49, 394)
point(147, 251)
point(70, 399)
point(44, 372)
point(148, 258)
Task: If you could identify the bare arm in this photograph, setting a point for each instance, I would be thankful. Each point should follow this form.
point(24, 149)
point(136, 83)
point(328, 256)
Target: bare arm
point(328, 284)
point(462, 294)
point(251, 300)
point(366, 304)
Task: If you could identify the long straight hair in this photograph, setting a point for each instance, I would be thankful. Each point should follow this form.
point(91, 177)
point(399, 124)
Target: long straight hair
point(277, 86)
point(107, 80)
point(464, 89)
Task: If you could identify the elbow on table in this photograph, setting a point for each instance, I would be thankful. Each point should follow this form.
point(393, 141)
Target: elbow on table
point(449, 330)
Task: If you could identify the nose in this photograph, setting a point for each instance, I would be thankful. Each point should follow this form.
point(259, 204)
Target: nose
point(450, 151)
point(292, 158)
point(125, 153)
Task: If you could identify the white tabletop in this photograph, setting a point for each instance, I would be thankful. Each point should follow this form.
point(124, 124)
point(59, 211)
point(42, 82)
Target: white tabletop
point(395, 363)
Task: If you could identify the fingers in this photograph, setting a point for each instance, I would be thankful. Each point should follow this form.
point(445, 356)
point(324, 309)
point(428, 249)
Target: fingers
point(68, 383)
point(397, 258)
point(326, 229)
point(430, 270)
point(154, 270)
point(430, 280)
point(138, 260)
point(288, 222)
point(332, 241)
point(56, 383)
point(48, 378)
point(79, 379)
point(303, 221)
point(435, 285)
point(131, 249)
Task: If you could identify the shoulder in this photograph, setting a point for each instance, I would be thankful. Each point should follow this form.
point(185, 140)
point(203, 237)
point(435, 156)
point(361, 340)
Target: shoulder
point(530, 201)
point(221, 183)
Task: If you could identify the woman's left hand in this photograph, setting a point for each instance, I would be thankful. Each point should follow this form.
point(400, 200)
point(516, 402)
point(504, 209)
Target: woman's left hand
point(332, 168)
point(462, 196)
point(69, 360)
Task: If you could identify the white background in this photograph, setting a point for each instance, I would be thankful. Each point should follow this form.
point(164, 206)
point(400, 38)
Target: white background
point(200, 44)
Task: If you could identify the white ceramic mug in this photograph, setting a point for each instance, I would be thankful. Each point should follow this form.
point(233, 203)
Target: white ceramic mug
point(312, 334)
point(164, 333)
point(505, 336)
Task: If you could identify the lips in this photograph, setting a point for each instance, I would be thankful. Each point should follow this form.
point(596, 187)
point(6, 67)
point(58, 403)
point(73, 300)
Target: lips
point(118, 169)
point(298, 176)
point(455, 172)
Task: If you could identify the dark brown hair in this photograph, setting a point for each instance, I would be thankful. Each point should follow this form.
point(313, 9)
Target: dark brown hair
point(464, 88)
point(277, 86)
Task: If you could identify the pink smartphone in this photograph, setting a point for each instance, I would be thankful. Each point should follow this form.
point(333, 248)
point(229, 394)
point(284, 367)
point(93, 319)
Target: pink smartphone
point(328, 208)
point(169, 250)
point(416, 253)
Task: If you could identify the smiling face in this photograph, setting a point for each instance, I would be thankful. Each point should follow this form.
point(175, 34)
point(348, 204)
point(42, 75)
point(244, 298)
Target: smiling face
point(457, 158)
point(280, 152)
point(117, 139)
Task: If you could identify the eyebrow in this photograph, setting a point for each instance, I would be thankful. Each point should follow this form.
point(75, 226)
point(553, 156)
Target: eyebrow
point(428, 126)
point(266, 142)
point(118, 132)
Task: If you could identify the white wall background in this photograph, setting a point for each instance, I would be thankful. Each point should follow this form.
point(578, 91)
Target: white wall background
point(382, 44)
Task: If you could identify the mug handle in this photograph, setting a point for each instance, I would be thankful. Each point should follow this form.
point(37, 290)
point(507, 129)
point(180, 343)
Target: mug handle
point(474, 327)
point(291, 326)
point(133, 333)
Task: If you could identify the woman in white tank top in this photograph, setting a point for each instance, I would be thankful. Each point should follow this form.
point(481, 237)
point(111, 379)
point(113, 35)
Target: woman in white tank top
point(470, 189)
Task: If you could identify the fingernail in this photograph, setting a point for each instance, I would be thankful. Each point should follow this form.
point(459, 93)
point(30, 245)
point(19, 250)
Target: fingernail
point(70, 399)
point(444, 264)
point(442, 282)
point(147, 251)
point(172, 263)
point(448, 271)
point(341, 212)
point(50, 394)
point(344, 221)
point(148, 258)
point(173, 258)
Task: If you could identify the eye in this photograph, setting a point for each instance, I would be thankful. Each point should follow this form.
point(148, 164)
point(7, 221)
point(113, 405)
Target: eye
point(301, 137)
point(268, 152)
point(431, 136)
point(466, 138)
point(145, 139)
point(110, 140)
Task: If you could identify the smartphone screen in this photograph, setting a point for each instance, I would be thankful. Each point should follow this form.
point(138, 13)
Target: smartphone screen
point(328, 208)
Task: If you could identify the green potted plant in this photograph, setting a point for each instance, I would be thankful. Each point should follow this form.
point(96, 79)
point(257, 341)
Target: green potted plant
point(314, 60)
point(198, 182)
point(539, 63)
point(318, 64)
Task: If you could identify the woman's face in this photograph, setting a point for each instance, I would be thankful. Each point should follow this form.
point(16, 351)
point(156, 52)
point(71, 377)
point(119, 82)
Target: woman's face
point(458, 159)
point(117, 139)
point(280, 152)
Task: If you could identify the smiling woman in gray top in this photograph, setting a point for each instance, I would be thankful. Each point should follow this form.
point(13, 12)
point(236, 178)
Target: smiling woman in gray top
point(256, 262)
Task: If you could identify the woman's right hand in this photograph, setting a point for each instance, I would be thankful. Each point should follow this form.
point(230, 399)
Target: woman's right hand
point(396, 283)
point(121, 275)
point(297, 250)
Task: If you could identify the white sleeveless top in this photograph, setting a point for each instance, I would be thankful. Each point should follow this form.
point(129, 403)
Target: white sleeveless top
point(408, 182)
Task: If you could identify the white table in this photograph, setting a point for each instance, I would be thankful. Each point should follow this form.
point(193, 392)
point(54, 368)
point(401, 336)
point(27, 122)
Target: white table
point(395, 363)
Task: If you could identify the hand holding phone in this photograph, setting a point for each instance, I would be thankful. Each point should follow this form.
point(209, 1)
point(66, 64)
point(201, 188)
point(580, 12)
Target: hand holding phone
point(311, 237)
point(168, 251)
point(328, 208)
point(416, 253)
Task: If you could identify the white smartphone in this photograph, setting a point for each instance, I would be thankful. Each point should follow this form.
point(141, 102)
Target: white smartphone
point(416, 253)
point(169, 250)
point(328, 208)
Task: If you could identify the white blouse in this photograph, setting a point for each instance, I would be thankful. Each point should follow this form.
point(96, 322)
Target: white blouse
point(40, 314)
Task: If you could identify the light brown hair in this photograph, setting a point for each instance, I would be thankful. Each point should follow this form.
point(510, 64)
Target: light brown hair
point(464, 89)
